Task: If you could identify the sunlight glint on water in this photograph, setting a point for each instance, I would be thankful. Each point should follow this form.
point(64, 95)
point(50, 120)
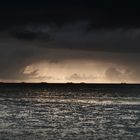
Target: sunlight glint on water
point(52, 113)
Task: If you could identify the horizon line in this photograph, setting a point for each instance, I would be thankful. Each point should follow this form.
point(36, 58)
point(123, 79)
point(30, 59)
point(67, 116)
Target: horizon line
point(122, 83)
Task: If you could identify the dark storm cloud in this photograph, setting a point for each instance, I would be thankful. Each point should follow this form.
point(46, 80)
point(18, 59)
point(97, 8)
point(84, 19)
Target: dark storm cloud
point(108, 28)
point(102, 14)
point(20, 53)
point(73, 35)
point(30, 35)
point(62, 31)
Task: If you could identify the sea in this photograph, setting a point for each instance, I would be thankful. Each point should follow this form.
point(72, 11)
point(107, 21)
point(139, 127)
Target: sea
point(44, 111)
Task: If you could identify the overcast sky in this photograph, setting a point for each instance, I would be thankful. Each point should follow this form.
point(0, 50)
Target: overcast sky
point(70, 41)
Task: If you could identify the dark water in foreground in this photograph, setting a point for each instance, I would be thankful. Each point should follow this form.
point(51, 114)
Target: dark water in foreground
point(43, 112)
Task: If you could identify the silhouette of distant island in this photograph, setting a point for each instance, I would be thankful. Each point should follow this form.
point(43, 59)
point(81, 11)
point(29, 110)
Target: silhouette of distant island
point(67, 84)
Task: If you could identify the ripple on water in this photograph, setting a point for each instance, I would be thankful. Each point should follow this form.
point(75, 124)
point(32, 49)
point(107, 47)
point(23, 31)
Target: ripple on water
point(49, 118)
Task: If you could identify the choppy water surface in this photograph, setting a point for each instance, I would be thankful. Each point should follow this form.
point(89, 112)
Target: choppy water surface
point(69, 112)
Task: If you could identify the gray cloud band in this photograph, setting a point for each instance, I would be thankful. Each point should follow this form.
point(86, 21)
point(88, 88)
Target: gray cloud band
point(36, 43)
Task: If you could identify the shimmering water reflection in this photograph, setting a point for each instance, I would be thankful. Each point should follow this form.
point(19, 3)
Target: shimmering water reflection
point(35, 114)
